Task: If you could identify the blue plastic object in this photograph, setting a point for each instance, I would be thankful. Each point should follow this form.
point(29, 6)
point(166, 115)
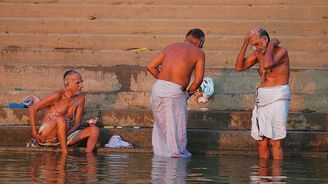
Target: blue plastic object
point(15, 105)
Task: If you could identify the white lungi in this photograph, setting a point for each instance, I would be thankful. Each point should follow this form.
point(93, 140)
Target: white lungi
point(169, 106)
point(270, 113)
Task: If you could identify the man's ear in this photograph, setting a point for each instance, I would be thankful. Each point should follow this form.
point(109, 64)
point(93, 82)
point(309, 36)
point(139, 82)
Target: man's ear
point(266, 40)
point(66, 83)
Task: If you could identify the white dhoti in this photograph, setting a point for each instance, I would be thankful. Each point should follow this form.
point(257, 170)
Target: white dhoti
point(169, 106)
point(270, 113)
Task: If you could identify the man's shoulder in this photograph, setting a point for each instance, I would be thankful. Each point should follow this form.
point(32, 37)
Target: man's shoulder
point(281, 50)
point(183, 48)
point(59, 92)
point(80, 96)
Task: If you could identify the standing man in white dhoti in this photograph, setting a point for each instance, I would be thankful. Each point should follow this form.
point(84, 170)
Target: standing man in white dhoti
point(173, 68)
point(273, 95)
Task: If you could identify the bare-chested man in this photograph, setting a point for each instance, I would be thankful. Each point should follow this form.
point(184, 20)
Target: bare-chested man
point(173, 68)
point(273, 95)
point(63, 116)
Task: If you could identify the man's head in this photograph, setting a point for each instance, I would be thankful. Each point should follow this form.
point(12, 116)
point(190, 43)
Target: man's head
point(260, 39)
point(196, 36)
point(73, 81)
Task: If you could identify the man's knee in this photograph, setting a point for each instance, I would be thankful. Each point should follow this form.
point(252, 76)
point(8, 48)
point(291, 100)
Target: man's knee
point(61, 123)
point(94, 130)
point(263, 143)
point(275, 143)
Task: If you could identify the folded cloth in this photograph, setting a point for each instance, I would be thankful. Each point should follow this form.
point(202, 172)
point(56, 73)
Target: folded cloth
point(30, 100)
point(117, 142)
point(270, 113)
point(54, 142)
point(207, 90)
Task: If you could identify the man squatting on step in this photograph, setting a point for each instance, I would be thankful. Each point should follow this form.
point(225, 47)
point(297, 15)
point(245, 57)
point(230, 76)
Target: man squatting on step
point(273, 95)
point(173, 68)
point(64, 110)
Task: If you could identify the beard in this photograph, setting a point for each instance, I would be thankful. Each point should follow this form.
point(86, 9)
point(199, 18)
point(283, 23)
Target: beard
point(260, 50)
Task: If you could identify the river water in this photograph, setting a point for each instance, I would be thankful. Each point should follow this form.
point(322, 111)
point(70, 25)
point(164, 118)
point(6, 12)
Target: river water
point(144, 168)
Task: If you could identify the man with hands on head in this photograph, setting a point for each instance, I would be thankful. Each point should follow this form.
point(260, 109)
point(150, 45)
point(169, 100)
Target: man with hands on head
point(273, 94)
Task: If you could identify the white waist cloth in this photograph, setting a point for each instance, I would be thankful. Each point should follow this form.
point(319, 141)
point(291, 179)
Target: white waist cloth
point(169, 106)
point(270, 113)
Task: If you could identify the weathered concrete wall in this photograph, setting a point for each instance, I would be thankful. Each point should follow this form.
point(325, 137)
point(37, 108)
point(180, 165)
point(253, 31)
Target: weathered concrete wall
point(39, 40)
point(129, 86)
point(99, 32)
point(225, 120)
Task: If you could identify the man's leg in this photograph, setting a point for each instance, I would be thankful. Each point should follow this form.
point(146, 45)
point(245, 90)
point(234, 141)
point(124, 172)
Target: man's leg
point(159, 132)
point(61, 134)
point(276, 149)
point(48, 130)
point(263, 148)
point(92, 133)
point(263, 170)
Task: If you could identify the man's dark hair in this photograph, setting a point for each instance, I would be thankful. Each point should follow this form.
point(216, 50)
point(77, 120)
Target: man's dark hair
point(263, 32)
point(196, 33)
point(68, 72)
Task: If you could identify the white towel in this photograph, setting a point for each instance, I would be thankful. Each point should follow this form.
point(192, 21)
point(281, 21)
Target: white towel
point(207, 88)
point(169, 105)
point(270, 113)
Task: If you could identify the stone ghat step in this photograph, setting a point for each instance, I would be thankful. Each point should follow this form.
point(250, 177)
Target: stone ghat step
point(305, 12)
point(74, 57)
point(102, 150)
point(197, 119)
point(125, 41)
point(197, 139)
point(227, 101)
point(134, 78)
point(180, 2)
point(151, 26)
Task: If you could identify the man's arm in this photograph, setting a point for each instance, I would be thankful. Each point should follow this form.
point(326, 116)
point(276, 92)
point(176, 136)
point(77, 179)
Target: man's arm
point(38, 106)
point(198, 74)
point(152, 67)
point(243, 63)
point(271, 60)
point(78, 114)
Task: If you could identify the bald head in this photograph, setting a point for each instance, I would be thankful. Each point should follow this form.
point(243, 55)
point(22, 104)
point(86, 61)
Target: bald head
point(68, 73)
point(260, 33)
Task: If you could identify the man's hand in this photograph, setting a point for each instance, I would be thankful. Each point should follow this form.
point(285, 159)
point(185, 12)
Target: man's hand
point(37, 137)
point(249, 36)
point(274, 41)
point(93, 122)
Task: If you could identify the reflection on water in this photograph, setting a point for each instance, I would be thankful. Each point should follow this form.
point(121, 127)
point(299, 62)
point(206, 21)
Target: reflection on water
point(267, 171)
point(144, 168)
point(50, 168)
point(168, 170)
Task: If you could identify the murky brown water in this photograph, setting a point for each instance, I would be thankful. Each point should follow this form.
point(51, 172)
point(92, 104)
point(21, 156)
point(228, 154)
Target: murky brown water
point(144, 168)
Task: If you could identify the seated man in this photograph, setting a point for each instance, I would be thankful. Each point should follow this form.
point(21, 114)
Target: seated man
point(63, 116)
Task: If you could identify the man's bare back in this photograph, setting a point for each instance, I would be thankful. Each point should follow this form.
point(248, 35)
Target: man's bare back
point(173, 67)
point(178, 61)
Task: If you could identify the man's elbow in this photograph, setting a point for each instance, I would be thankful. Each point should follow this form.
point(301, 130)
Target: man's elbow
point(198, 82)
point(238, 69)
point(31, 109)
point(267, 66)
point(148, 67)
